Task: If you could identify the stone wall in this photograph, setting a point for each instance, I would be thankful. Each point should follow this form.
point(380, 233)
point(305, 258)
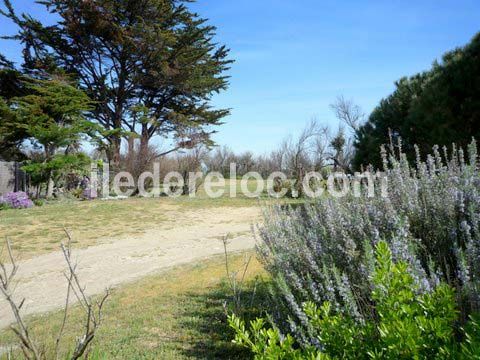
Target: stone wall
point(7, 177)
point(11, 177)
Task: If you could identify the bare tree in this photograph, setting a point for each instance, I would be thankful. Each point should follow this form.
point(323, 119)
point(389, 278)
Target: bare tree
point(348, 112)
point(236, 282)
point(341, 151)
point(352, 116)
point(191, 162)
point(92, 308)
point(245, 162)
point(276, 160)
point(220, 159)
point(139, 159)
point(7, 275)
point(301, 154)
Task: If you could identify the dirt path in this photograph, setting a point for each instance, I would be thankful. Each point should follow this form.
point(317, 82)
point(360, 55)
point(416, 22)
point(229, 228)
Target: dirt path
point(190, 236)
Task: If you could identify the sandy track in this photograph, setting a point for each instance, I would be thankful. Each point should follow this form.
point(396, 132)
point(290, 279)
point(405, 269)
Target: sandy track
point(190, 235)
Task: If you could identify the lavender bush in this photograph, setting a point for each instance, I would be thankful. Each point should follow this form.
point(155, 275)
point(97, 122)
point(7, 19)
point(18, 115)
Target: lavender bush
point(16, 200)
point(430, 219)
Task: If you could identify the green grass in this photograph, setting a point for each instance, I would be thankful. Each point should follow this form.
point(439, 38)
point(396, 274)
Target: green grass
point(178, 314)
point(175, 315)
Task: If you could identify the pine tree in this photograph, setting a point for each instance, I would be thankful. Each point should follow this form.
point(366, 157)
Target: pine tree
point(153, 54)
point(437, 107)
point(52, 117)
point(12, 136)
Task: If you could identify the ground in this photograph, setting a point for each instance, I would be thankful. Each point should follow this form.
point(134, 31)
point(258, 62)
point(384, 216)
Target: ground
point(123, 244)
point(177, 314)
point(184, 236)
point(40, 230)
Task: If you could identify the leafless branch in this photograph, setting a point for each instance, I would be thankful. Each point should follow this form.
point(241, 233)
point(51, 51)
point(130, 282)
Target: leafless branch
point(28, 346)
point(348, 112)
point(236, 285)
point(93, 309)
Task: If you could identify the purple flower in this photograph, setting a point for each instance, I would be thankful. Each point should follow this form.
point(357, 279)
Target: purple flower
point(16, 200)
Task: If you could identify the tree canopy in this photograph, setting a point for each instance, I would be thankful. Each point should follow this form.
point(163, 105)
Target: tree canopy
point(150, 66)
point(437, 107)
point(12, 136)
point(51, 116)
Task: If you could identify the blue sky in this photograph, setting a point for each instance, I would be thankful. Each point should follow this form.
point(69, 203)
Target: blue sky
point(293, 58)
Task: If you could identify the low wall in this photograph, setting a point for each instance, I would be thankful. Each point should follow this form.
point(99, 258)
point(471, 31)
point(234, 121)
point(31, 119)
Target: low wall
point(11, 177)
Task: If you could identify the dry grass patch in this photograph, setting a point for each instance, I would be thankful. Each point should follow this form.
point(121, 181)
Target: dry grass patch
point(41, 229)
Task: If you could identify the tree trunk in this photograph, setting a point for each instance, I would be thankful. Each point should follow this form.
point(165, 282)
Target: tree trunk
point(50, 185)
point(49, 154)
point(145, 138)
point(131, 145)
point(116, 140)
point(116, 145)
point(131, 153)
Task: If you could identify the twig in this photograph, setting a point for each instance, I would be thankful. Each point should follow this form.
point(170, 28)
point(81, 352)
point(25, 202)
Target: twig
point(6, 278)
point(93, 310)
point(67, 300)
point(235, 285)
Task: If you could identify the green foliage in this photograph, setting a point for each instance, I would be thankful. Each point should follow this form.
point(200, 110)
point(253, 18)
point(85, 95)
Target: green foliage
point(4, 206)
point(470, 348)
point(405, 324)
point(267, 343)
point(10, 137)
point(52, 117)
point(437, 107)
point(53, 114)
point(38, 202)
point(11, 134)
point(48, 113)
point(57, 167)
point(151, 66)
point(411, 325)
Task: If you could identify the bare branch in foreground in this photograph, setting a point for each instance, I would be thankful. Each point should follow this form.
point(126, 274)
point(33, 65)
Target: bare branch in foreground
point(7, 275)
point(92, 309)
point(236, 285)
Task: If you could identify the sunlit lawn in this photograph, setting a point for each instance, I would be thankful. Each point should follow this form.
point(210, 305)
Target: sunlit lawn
point(175, 315)
point(41, 229)
point(178, 314)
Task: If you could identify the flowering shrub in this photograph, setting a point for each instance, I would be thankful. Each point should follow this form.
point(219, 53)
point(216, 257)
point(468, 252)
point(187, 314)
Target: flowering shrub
point(408, 324)
point(323, 252)
point(16, 200)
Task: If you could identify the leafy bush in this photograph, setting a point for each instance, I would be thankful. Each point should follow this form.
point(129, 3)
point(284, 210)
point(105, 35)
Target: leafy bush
point(323, 251)
point(16, 200)
point(4, 206)
point(38, 202)
point(406, 324)
point(59, 166)
point(77, 193)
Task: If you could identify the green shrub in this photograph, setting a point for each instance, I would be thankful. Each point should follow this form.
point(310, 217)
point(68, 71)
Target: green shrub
point(77, 193)
point(405, 324)
point(5, 206)
point(38, 202)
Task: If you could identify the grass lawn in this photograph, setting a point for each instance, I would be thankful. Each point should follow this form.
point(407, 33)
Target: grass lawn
point(174, 315)
point(40, 230)
point(178, 314)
